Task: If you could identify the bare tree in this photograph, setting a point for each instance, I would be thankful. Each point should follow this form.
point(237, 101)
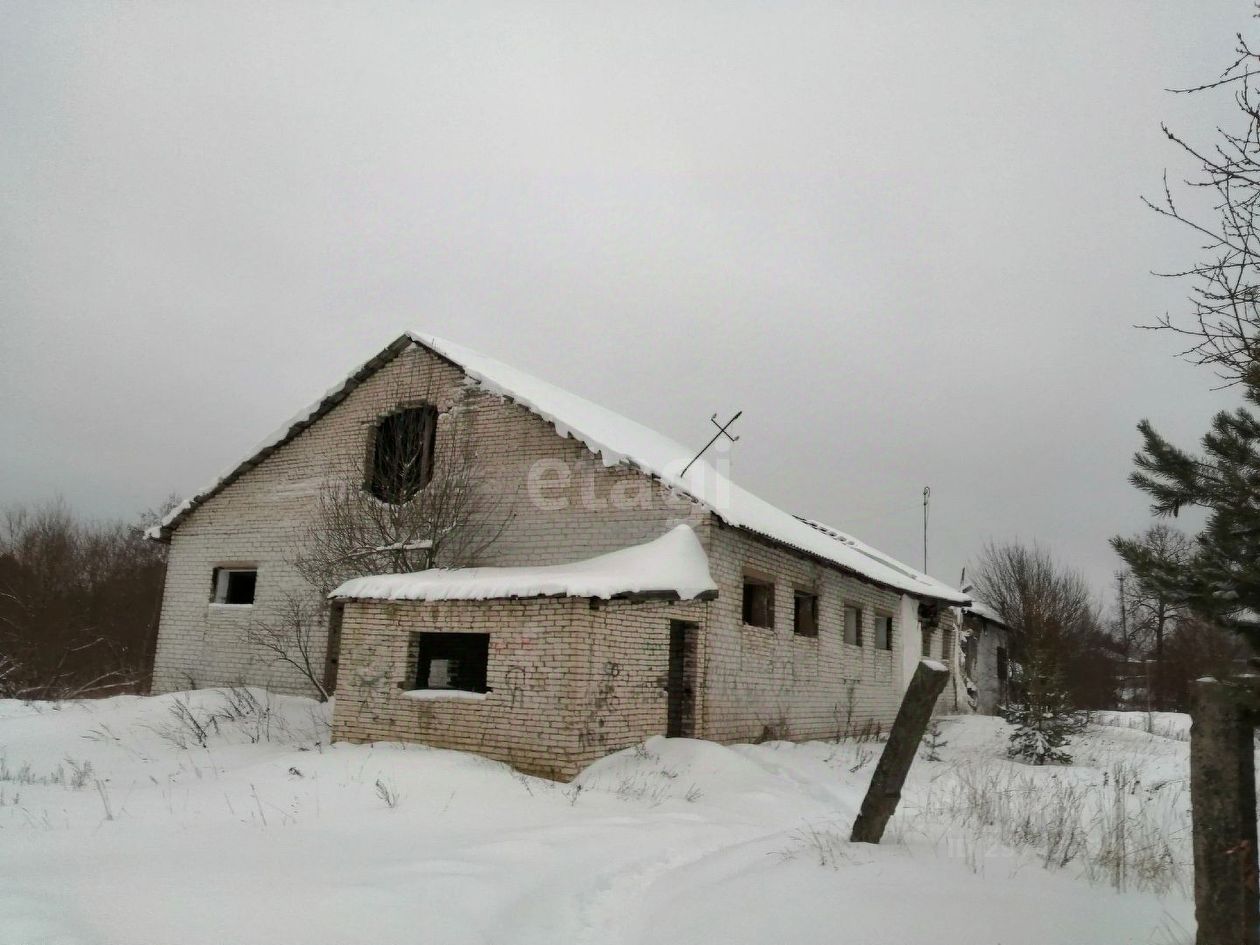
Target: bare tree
point(1223, 329)
point(294, 636)
point(1057, 640)
point(1152, 599)
point(419, 497)
point(424, 502)
point(1056, 629)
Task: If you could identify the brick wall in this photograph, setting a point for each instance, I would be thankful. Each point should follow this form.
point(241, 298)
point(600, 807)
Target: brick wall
point(568, 683)
point(763, 682)
point(260, 518)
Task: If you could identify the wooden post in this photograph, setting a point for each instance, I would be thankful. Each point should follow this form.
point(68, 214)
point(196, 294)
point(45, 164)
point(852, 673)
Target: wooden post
point(1223, 808)
point(882, 796)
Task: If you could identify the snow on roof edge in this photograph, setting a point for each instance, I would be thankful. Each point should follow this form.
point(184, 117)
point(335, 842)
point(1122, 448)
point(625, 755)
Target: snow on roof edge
point(673, 563)
point(645, 449)
point(657, 455)
point(278, 437)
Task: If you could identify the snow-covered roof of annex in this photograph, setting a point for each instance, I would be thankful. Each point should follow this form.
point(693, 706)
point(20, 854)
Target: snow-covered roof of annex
point(673, 566)
point(617, 441)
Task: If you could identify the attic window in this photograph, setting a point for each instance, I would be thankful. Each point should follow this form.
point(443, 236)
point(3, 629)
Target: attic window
point(402, 454)
point(758, 602)
point(806, 613)
point(452, 661)
point(234, 585)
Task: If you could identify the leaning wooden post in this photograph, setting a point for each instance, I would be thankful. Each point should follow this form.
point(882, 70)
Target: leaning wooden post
point(912, 719)
point(1223, 808)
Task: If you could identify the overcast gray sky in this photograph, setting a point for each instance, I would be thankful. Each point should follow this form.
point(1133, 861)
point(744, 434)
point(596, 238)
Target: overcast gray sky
point(904, 238)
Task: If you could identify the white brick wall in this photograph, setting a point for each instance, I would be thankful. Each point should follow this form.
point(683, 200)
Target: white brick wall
point(755, 682)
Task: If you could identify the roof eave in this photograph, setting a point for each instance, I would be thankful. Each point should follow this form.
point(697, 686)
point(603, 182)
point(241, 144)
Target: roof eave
point(837, 566)
point(162, 532)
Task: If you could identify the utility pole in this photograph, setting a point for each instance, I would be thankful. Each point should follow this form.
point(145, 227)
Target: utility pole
point(927, 494)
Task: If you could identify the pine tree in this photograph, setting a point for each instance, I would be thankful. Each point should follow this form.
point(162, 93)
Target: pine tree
point(1221, 579)
point(1221, 582)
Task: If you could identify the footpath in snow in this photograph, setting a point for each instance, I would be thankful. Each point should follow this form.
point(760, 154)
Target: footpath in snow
point(225, 816)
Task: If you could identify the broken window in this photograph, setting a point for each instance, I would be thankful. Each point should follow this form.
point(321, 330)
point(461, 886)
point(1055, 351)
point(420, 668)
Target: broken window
point(234, 585)
point(883, 632)
point(452, 661)
point(853, 625)
point(805, 621)
point(758, 602)
point(402, 454)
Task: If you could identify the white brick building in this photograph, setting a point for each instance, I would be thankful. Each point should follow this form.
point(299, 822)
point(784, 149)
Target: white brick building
point(809, 633)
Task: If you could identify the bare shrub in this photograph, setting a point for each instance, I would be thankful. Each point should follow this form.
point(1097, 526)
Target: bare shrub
point(387, 793)
point(1116, 831)
point(80, 773)
point(826, 846)
point(294, 634)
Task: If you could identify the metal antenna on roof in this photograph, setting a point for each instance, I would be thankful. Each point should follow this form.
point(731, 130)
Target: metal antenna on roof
point(722, 428)
point(927, 494)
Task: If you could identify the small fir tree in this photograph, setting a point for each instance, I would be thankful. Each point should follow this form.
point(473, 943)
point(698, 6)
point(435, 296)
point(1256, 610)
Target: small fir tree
point(1045, 721)
point(933, 742)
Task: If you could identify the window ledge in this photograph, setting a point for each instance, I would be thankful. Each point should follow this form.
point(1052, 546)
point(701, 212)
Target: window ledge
point(438, 695)
point(217, 605)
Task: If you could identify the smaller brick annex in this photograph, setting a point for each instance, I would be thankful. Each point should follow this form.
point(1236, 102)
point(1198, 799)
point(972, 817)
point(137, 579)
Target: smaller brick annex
point(544, 668)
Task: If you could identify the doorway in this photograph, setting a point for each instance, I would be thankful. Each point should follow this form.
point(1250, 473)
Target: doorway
point(680, 682)
point(332, 651)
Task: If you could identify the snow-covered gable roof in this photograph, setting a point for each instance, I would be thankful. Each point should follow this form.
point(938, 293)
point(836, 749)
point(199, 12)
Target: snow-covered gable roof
point(616, 440)
point(673, 565)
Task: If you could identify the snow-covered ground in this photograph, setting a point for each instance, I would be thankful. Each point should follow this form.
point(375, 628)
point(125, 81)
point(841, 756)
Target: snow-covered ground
point(118, 825)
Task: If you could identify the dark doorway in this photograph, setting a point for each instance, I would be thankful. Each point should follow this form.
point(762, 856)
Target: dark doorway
point(680, 683)
point(332, 652)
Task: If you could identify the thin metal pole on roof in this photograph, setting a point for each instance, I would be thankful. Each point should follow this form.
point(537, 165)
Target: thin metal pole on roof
point(722, 428)
point(927, 494)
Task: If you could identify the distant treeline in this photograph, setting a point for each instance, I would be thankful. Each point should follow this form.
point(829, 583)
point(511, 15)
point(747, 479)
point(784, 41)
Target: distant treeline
point(79, 602)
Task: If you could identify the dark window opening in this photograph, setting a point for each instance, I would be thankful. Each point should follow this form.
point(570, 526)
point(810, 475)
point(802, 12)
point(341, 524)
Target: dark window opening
point(402, 454)
point(947, 646)
point(883, 632)
point(1002, 668)
point(453, 661)
point(235, 585)
point(927, 641)
point(853, 625)
point(805, 621)
point(758, 603)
